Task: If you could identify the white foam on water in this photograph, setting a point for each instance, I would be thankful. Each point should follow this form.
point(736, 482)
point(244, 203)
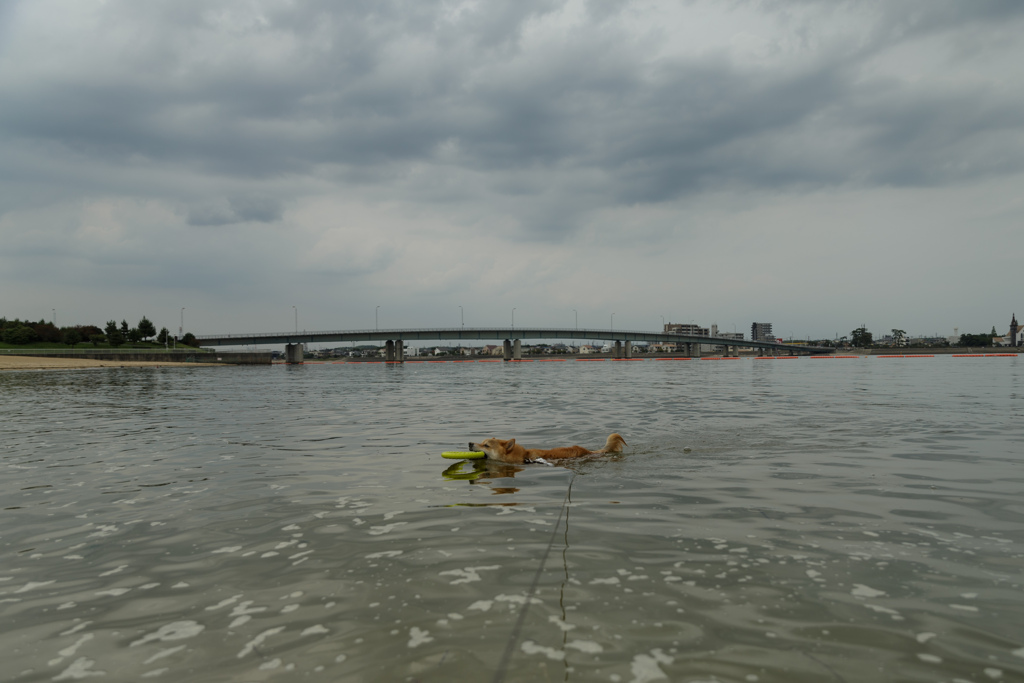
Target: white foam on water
point(1018, 652)
point(70, 650)
point(467, 574)
point(862, 591)
point(965, 608)
point(387, 528)
point(147, 586)
point(645, 667)
point(75, 629)
point(610, 581)
point(517, 599)
point(115, 570)
point(164, 653)
point(224, 603)
point(384, 553)
point(269, 666)
point(418, 637)
point(532, 648)
point(114, 592)
point(924, 637)
point(79, 669)
point(226, 549)
point(482, 605)
point(32, 585)
point(391, 515)
point(931, 659)
point(291, 527)
point(176, 630)
point(557, 621)
point(587, 646)
point(180, 584)
point(289, 608)
point(259, 640)
point(155, 672)
point(318, 629)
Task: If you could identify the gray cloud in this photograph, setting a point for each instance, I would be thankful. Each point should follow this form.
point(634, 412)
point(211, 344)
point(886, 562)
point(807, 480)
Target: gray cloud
point(547, 118)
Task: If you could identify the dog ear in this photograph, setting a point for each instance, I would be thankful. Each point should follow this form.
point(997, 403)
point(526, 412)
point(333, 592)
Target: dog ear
point(510, 444)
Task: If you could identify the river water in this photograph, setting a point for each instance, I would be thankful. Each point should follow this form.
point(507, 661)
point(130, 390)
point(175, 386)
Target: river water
point(771, 520)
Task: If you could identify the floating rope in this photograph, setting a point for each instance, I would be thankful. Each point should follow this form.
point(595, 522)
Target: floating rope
point(499, 675)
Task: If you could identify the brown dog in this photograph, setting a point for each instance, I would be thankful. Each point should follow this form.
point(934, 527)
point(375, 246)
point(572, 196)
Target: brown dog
point(511, 452)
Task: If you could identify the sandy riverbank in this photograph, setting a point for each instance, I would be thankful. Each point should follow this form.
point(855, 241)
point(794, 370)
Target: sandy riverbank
point(44, 363)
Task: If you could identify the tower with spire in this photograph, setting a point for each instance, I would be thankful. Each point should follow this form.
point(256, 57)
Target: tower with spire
point(1014, 340)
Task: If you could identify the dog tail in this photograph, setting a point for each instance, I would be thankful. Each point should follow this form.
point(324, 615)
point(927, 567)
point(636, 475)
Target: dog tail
point(614, 444)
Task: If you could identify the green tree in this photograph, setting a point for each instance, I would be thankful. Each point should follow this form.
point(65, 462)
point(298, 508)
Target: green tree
point(124, 328)
point(134, 335)
point(162, 337)
point(146, 328)
point(189, 339)
point(72, 336)
point(96, 339)
point(975, 340)
point(19, 334)
point(114, 336)
point(861, 337)
point(899, 337)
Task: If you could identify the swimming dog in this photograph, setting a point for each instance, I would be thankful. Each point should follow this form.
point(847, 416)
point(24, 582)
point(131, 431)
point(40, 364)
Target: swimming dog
point(511, 452)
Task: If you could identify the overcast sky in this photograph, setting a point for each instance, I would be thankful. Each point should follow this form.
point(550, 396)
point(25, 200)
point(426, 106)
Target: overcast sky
point(816, 165)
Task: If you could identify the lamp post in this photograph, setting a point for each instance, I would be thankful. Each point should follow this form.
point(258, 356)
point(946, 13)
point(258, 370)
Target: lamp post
point(513, 318)
point(611, 323)
point(53, 320)
point(462, 318)
point(662, 323)
point(376, 326)
point(296, 319)
point(181, 323)
point(577, 318)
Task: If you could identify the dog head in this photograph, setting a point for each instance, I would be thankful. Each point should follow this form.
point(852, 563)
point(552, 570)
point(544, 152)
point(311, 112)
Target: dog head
point(495, 449)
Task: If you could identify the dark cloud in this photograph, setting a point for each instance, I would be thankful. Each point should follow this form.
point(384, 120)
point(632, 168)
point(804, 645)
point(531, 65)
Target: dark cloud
point(268, 90)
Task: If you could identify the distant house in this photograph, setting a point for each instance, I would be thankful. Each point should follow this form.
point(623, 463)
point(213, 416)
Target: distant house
point(1015, 337)
point(588, 349)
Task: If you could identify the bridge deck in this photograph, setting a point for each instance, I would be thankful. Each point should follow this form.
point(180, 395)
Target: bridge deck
point(488, 334)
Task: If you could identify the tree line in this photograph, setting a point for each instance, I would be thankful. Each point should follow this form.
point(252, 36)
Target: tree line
point(23, 332)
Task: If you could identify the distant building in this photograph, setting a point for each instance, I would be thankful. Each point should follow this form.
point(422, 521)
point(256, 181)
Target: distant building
point(687, 328)
point(1015, 337)
point(761, 332)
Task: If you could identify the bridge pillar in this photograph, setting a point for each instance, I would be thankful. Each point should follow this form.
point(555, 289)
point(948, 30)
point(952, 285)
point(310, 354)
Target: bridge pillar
point(694, 349)
point(517, 350)
point(399, 351)
point(628, 348)
point(617, 350)
point(506, 350)
point(293, 354)
point(389, 351)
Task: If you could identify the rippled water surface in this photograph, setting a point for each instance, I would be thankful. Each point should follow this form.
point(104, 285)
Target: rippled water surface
point(776, 520)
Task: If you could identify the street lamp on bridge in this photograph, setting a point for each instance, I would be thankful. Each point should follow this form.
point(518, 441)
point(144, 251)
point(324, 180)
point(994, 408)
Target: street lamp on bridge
point(376, 326)
point(513, 318)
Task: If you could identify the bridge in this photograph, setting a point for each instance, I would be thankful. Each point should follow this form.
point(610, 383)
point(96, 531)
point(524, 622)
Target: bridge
point(396, 338)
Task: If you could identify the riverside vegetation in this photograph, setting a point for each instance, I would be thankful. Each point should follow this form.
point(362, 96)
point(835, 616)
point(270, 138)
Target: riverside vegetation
point(26, 334)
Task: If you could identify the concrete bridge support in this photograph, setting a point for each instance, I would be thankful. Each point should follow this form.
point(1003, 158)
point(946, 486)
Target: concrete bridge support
point(517, 349)
point(627, 349)
point(389, 351)
point(506, 349)
point(400, 351)
point(617, 350)
point(293, 354)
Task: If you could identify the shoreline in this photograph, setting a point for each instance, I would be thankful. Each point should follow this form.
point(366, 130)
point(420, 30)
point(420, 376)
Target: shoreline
point(45, 363)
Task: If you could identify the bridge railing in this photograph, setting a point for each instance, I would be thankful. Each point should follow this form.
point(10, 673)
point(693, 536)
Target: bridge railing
point(398, 331)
